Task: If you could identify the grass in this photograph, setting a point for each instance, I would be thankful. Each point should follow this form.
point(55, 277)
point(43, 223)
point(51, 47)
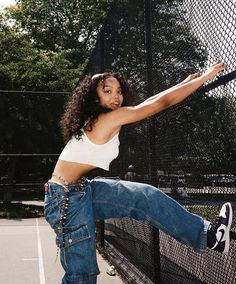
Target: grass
point(20, 210)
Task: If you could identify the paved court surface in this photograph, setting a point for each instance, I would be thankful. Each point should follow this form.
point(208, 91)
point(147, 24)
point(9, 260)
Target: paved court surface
point(28, 252)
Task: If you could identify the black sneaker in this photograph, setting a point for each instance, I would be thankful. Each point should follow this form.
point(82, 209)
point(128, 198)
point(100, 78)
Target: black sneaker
point(218, 234)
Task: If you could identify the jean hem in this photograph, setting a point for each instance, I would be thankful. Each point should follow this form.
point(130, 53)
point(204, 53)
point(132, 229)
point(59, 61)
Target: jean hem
point(81, 278)
point(203, 244)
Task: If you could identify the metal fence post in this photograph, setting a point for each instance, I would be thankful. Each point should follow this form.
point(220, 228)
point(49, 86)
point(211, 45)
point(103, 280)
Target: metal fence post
point(156, 255)
point(100, 235)
point(152, 173)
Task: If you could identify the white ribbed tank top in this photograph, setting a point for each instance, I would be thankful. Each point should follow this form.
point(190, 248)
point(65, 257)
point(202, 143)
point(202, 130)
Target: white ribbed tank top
point(84, 151)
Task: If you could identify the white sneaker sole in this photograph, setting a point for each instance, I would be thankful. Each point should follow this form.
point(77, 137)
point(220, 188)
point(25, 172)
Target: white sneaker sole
point(227, 230)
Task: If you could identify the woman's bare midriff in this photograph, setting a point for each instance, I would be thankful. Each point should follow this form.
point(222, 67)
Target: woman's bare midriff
point(69, 171)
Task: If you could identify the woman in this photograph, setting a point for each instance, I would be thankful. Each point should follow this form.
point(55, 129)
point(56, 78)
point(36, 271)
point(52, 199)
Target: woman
point(91, 124)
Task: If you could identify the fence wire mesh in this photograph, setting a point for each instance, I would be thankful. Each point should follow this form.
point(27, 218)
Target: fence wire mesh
point(189, 150)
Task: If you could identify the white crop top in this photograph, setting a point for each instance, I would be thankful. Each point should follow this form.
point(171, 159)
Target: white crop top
point(86, 152)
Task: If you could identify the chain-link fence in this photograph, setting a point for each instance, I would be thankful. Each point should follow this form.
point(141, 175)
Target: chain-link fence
point(189, 150)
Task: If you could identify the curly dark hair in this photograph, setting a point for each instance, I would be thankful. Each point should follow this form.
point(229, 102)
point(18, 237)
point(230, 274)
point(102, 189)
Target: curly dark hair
point(83, 107)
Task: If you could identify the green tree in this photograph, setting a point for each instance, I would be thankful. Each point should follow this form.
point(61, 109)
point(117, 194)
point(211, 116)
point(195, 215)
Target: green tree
point(61, 25)
point(44, 46)
point(24, 67)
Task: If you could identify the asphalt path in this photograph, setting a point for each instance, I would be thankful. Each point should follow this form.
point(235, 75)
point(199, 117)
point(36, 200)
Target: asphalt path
point(28, 254)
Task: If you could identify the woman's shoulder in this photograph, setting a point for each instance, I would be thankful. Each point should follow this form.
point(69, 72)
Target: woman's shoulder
point(107, 121)
point(103, 129)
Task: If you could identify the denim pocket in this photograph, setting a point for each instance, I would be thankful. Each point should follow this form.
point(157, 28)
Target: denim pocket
point(76, 234)
point(75, 249)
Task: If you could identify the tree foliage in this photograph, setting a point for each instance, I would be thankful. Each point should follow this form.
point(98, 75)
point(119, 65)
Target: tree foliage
point(44, 46)
point(24, 67)
point(48, 42)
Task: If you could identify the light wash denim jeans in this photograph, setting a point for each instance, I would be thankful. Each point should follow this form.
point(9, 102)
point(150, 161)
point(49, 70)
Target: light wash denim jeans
point(105, 198)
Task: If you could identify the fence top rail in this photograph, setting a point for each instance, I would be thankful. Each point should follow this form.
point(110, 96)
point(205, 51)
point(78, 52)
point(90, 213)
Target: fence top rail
point(222, 80)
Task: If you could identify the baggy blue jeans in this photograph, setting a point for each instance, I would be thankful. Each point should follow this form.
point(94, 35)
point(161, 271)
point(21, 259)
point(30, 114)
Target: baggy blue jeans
point(105, 198)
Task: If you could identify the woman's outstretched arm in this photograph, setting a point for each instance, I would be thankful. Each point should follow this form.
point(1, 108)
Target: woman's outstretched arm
point(186, 80)
point(164, 99)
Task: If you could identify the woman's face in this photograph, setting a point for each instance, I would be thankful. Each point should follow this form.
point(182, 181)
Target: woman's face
point(110, 93)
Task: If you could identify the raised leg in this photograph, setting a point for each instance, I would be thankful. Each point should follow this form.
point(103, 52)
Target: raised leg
point(118, 198)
